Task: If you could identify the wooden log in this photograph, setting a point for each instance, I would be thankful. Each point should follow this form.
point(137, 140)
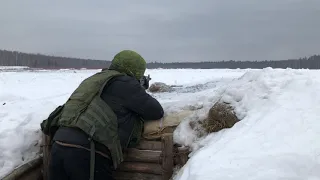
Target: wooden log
point(118, 175)
point(149, 145)
point(150, 168)
point(167, 159)
point(27, 171)
point(137, 155)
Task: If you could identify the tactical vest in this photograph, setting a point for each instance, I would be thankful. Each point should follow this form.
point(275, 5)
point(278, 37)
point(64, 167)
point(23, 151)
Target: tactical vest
point(86, 110)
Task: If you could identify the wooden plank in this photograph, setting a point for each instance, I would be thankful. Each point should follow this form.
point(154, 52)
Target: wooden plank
point(135, 176)
point(167, 159)
point(149, 145)
point(150, 168)
point(137, 155)
point(46, 149)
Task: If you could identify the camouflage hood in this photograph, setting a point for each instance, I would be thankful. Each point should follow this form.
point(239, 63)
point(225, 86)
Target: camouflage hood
point(129, 62)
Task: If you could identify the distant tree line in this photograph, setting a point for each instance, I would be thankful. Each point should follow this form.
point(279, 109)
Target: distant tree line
point(14, 58)
point(312, 62)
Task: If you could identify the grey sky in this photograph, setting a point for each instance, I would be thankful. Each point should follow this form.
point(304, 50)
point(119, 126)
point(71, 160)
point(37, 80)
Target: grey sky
point(166, 31)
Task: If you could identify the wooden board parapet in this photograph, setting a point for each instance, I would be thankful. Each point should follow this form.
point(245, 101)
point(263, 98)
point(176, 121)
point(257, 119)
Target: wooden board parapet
point(151, 159)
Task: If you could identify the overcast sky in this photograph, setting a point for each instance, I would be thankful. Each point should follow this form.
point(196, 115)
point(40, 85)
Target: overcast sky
point(166, 30)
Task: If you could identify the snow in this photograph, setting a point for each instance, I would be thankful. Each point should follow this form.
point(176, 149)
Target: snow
point(277, 137)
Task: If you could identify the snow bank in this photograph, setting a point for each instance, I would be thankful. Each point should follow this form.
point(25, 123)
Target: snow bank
point(27, 97)
point(277, 138)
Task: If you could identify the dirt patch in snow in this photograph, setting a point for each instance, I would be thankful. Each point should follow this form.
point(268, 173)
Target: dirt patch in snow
point(160, 87)
point(220, 116)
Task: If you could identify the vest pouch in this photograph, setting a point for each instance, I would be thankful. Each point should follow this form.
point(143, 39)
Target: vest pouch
point(50, 125)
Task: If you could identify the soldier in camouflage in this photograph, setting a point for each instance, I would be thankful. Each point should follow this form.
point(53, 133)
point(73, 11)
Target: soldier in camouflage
point(103, 116)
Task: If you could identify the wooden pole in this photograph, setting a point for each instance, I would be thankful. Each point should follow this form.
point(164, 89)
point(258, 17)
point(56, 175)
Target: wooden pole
point(167, 159)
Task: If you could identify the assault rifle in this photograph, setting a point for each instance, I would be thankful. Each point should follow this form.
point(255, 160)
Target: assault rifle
point(144, 81)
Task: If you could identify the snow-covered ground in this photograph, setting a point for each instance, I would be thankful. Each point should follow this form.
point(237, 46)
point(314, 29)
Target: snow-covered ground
point(277, 137)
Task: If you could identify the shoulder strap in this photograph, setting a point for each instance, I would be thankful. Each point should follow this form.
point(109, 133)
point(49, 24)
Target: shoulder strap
point(92, 154)
point(108, 82)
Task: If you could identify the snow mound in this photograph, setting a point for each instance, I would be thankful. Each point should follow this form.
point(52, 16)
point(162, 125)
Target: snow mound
point(277, 137)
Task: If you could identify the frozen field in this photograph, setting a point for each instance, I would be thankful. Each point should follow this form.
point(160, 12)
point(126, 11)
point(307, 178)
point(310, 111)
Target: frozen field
point(277, 137)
